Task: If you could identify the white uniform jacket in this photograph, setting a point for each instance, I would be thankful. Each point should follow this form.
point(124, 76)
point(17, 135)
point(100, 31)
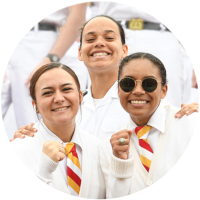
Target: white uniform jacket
point(30, 152)
point(125, 177)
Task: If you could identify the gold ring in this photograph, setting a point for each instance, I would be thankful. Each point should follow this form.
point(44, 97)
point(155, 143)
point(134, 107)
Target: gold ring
point(59, 149)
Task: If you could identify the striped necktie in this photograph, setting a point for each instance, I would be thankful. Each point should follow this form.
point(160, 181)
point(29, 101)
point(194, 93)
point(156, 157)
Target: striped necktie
point(146, 153)
point(73, 169)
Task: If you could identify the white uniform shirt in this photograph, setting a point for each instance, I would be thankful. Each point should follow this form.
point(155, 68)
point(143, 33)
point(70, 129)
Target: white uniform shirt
point(58, 18)
point(123, 12)
point(157, 121)
point(106, 118)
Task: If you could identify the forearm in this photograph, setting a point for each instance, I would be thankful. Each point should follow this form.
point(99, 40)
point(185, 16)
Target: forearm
point(44, 168)
point(70, 30)
point(117, 174)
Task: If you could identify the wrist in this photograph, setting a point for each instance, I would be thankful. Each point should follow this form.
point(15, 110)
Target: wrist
point(53, 57)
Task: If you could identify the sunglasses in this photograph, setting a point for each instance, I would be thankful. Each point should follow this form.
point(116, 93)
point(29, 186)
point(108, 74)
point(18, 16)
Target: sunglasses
point(148, 84)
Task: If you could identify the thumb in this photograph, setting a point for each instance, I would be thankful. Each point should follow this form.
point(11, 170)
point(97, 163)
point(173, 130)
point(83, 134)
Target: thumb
point(130, 132)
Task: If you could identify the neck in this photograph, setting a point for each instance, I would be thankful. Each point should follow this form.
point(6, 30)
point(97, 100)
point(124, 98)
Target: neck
point(101, 83)
point(63, 131)
point(140, 121)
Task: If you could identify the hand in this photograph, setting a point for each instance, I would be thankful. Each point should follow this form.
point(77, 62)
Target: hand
point(187, 109)
point(24, 130)
point(44, 62)
point(121, 151)
point(54, 150)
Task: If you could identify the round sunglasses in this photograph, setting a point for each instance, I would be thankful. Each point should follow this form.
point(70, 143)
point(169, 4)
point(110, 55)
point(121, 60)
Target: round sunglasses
point(148, 84)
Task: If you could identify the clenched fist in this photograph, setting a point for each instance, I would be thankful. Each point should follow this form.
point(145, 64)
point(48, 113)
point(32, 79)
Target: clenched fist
point(121, 150)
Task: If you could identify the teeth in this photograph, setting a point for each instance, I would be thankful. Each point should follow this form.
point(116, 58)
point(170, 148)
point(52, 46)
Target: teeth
point(138, 102)
point(60, 109)
point(100, 54)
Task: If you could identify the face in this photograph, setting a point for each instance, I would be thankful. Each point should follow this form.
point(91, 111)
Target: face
point(101, 45)
point(139, 103)
point(57, 97)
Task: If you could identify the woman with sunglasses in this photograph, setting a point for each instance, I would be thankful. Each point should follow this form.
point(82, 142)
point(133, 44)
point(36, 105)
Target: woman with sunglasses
point(153, 140)
point(61, 154)
point(102, 47)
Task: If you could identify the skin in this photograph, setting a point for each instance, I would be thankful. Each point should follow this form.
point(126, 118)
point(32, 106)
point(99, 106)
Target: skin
point(103, 70)
point(101, 35)
point(139, 113)
point(56, 89)
point(138, 70)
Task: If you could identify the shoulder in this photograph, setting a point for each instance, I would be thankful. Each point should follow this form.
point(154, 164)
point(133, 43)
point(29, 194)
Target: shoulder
point(186, 124)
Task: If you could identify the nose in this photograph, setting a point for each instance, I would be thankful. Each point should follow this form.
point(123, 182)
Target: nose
point(138, 89)
point(100, 42)
point(58, 97)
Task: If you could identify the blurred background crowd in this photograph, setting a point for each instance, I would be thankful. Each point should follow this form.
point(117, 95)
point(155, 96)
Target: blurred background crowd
point(56, 38)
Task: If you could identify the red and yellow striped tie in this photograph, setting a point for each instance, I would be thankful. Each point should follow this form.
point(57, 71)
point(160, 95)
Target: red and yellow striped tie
point(146, 153)
point(73, 169)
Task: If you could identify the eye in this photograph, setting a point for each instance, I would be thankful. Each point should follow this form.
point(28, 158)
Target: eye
point(47, 93)
point(89, 39)
point(67, 89)
point(109, 38)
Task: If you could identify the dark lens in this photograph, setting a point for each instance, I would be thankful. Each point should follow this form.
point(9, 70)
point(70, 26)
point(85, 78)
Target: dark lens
point(127, 84)
point(149, 84)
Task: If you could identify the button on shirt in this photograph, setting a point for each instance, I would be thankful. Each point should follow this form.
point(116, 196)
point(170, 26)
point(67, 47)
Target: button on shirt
point(75, 139)
point(157, 121)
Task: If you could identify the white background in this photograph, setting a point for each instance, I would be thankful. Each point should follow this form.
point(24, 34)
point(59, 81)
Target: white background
point(18, 16)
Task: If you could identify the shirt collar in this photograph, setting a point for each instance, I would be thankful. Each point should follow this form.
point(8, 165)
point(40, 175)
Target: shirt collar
point(112, 92)
point(157, 120)
point(75, 138)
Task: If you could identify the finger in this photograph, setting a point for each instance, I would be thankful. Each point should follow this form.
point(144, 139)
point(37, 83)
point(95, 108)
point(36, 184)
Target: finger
point(26, 132)
point(28, 128)
point(11, 139)
point(61, 156)
point(122, 148)
point(194, 109)
point(18, 135)
point(120, 132)
point(130, 132)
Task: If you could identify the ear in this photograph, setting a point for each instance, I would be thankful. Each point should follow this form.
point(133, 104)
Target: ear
point(35, 107)
point(80, 54)
point(164, 91)
point(81, 97)
point(124, 50)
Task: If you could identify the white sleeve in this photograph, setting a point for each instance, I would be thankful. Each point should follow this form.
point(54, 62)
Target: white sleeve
point(117, 172)
point(44, 168)
point(187, 77)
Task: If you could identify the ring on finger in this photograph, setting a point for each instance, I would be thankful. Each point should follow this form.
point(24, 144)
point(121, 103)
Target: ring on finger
point(59, 149)
point(122, 141)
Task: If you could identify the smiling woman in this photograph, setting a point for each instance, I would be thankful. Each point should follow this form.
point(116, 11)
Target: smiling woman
point(136, 160)
point(61, 154)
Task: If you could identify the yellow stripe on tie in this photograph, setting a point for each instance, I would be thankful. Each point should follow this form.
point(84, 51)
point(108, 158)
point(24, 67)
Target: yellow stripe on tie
point(143, 131)
point(75, 160)
point(69, 147)
point(145, 161)
point(73, 185)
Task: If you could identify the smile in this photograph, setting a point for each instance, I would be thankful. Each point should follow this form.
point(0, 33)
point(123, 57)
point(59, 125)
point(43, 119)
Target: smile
point(100, 54)
point(60, 109)
point(138, 102)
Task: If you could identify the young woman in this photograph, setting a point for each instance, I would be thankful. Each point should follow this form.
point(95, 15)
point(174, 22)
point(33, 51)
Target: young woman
point(153, 140)
point(102, 47)
point(61, 154)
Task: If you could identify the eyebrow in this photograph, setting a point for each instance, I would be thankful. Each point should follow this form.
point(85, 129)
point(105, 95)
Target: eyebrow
point(46, 88)
point(135, 79)
point(107, 31)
